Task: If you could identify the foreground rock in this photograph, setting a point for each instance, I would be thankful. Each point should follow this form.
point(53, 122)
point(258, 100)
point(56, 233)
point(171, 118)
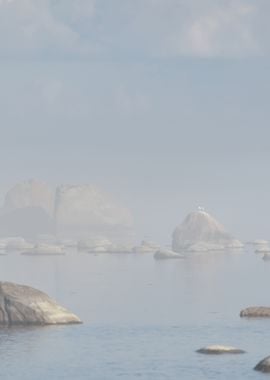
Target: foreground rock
point(23, 305)
point(165, 254)
point(200, 232)
point(256, 312)
point(217, 349)
point(263, 365)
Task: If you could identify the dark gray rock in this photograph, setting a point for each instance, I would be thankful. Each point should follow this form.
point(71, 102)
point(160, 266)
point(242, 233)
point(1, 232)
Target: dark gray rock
point(23, 305)
point(256, 312)
point(263, 365)
point(218, 349)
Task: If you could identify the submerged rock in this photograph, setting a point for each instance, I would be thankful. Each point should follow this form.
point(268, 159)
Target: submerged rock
point(23, 305)
point(256, 312)
point(165, 254)
point(218, 349)
point(263, 365)
point(200, 232)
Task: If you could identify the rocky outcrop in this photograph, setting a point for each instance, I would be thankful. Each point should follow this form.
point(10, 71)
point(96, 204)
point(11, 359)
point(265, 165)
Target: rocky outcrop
point(200, 232)
point(263, 365)
point(80, 209)
point(256, 312)
point(23, 305)
point(166, 254)
point(217, 349)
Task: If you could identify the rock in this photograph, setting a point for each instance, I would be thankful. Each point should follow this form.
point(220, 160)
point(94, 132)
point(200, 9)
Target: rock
point(94, 244)
point(23, 305)
point(43, 249)
point(256, 312)
point(266, 256)
point(260, 242)
point(200, 232)
point(146, 247)
point(17, 244)
point(217, 349)
point(164, 254)
point(263, 365)
point(80, 209)
point(262, 250)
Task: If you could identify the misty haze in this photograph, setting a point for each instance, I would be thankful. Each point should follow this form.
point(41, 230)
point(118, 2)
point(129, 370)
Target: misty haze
point(134, 195)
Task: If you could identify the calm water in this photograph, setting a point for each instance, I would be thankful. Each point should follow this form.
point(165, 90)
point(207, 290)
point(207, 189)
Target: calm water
point(142, 318)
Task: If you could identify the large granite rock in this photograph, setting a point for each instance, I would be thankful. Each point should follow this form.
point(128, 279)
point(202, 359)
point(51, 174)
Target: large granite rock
point(263, 365)
point(256, 312)
point(218, 349)
point(23, 305)
point(80, 209)
point(200, 232)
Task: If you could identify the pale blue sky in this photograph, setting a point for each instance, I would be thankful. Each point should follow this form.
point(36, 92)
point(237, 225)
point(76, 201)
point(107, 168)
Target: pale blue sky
point(163, 102)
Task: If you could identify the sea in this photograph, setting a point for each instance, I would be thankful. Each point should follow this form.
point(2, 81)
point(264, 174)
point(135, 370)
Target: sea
point(142, 318)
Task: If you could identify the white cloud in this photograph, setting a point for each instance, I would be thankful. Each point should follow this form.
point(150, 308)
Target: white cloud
point(159, 28)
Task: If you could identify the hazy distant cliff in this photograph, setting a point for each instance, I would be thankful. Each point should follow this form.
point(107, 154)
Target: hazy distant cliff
point(31, 208)
point(86, 208)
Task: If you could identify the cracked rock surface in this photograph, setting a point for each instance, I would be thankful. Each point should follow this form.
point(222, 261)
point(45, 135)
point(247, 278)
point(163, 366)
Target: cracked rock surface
point(23, 305)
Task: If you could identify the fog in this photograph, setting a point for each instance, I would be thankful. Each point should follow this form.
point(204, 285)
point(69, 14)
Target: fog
point(134, 188)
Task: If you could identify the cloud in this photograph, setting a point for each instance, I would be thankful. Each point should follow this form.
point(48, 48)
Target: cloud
point(43, 27)
point(128, 28)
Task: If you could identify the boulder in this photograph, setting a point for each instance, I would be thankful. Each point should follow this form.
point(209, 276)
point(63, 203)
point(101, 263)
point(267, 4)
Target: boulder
point(165, 254)
point(256, 312)
point(23, 305)
point(263, 365)
point(218, 349)
point(200, 232)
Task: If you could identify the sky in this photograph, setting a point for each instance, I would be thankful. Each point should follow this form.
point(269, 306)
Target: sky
point(163, 103)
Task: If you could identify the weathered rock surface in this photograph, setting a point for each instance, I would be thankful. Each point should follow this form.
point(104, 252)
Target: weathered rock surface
point(200, 232)
point(23, 305)
point(166, 254)
point(256, 312)
point(218, 349)
point(80, 209)
point(263, 365)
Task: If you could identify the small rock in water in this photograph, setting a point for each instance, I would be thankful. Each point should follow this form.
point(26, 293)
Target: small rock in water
point(263, 365)
point(218, 349)
point(256, 312)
